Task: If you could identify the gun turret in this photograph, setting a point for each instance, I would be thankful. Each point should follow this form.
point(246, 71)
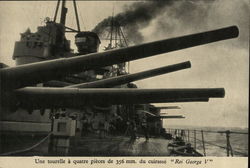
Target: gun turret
point(29, 74)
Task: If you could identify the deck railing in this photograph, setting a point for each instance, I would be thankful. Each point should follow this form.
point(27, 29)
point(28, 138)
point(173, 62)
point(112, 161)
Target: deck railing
point(188, 134)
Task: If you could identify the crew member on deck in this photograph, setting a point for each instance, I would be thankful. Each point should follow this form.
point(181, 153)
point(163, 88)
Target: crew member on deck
point(101, 129)
point(132, 130)
point(145, 127)
point(106, 127)
point(84, 126)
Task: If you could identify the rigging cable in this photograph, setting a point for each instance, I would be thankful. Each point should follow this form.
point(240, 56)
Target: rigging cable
point(26, 149)
point(84, 27)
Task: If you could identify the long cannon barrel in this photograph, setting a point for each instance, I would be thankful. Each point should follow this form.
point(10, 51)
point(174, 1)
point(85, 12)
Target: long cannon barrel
point(29, 74)
point(40, 97)
point(119, 80)
point(123, 79)
point(168, 117)
point(184, 100)
point(168, 107)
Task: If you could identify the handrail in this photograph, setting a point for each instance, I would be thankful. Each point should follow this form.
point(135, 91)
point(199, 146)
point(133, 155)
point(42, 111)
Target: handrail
point(234, 132)
point(221, 146)
point(228, 147)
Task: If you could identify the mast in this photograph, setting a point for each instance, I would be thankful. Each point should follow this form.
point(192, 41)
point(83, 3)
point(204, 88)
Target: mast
point(63, 13)
point(77, 19)
point(56, 11)
point(111, 31)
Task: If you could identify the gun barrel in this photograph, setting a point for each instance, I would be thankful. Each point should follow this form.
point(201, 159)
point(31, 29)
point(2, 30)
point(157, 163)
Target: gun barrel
point(74, 97)
point(169, 117)
point(169, 107)
point(183, 100)
point(29, 74)
point(119, 80)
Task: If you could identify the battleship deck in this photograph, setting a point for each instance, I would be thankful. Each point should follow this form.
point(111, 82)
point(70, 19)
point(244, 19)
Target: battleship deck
point(95, 146)
point(119, 146)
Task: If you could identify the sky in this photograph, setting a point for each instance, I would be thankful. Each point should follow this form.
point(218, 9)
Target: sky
point(221, 64)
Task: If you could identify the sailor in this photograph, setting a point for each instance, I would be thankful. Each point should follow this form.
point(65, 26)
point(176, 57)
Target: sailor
point(84, 126)
point(182, 133)
point(189, 149)
point(145, 127)
point(132, 130)
point(106, 127)
point(101, 129)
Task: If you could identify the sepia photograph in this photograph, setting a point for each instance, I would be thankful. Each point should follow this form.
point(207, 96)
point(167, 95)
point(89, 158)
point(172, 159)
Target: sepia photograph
point(157, 78)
